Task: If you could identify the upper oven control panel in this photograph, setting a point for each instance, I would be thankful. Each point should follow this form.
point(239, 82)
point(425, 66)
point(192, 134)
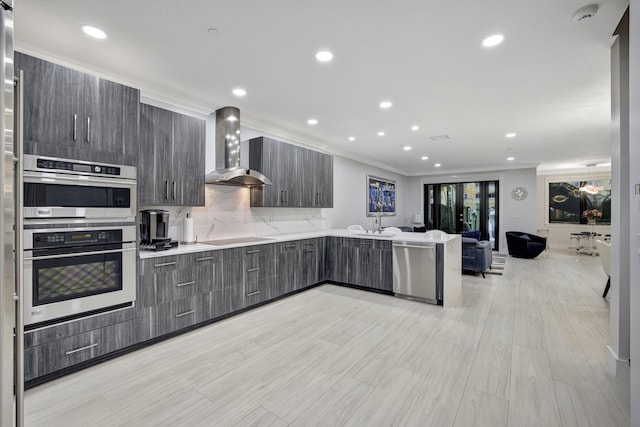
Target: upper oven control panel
point(74, 238)
point(67, 166)
point(33, 163)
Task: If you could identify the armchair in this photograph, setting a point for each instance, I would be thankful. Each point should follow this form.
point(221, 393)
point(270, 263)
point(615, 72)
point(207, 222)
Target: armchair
point(604, 249)
point(525, 245)
point(477, 255)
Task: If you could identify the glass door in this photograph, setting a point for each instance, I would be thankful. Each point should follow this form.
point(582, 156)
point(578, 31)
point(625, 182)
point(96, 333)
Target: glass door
point(466, 206)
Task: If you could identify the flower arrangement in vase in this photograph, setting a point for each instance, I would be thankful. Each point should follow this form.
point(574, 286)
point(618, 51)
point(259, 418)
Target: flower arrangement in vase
point(591, 215)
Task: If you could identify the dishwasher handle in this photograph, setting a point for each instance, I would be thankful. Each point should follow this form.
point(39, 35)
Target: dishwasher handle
point(403, 245)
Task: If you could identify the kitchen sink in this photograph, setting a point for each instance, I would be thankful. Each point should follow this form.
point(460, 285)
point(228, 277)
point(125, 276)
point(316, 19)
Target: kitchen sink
point(377, 234)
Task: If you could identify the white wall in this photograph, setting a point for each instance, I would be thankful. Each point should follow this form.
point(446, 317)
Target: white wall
point(350, 195)
point(634, 210)
point(514, 215)
point(559, 235)
point(620, 256)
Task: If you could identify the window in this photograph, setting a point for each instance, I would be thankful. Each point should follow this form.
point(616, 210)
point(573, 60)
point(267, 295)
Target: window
point(568, 200)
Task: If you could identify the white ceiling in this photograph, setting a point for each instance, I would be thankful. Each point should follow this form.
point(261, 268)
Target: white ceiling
point(549, 81)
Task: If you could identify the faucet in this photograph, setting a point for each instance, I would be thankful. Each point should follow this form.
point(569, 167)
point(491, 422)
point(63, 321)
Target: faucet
point(379, 217)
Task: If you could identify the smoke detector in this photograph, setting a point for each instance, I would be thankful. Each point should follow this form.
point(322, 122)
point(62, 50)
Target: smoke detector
point(585, 12)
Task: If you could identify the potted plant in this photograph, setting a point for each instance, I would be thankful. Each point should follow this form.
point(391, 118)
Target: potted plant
point(591, 215)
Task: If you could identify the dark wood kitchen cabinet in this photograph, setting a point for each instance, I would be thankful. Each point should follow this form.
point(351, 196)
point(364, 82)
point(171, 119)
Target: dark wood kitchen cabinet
point(172, 150)
point(300, 177)
point(300, 264)
point(175, 292)
point(288, 266)
point(249, 276)
point(57, 347)
point(74, 115)
point(361, 262)
point(313, 262)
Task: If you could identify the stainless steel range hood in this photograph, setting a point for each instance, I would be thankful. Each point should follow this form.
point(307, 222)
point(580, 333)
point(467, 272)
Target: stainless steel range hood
point(228, 170)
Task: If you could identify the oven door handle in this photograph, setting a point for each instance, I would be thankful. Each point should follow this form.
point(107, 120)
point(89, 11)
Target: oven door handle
point(32, 258)
point(46, 177)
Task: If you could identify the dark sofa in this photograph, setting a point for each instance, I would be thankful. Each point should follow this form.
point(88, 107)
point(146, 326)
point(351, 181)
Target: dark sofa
point(525, 245)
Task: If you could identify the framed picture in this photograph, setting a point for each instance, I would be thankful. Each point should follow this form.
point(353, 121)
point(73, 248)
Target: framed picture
point(381, 196)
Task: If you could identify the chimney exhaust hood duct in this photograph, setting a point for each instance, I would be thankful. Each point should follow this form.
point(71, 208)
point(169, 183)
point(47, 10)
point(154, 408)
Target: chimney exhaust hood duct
point(228, 170)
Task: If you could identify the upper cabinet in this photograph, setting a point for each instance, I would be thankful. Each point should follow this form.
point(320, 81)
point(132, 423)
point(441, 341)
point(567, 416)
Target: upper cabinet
point(74, 115)
point(300, 177)
point(172, 149)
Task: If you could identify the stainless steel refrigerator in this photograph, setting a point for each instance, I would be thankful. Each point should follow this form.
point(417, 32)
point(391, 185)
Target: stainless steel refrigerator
point(11, 395)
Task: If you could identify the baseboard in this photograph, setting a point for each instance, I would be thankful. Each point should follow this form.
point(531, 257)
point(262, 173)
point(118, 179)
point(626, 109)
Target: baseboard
point(617, 367)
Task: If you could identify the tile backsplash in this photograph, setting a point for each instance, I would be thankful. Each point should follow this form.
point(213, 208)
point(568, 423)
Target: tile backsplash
point(227, 214)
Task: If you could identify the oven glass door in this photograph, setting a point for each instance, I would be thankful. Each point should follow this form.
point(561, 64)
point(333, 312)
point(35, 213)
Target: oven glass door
point(73, 196)
point(75, 276)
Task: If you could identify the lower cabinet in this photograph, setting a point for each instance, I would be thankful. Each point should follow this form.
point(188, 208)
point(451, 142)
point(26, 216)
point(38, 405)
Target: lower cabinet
point(175, 292)
point(57, 354)
point(300, 264)
point(361, 262)
point(178, 291)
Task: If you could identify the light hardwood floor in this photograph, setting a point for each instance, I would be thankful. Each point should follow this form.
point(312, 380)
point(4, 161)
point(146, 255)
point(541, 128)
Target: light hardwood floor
point(524, 349)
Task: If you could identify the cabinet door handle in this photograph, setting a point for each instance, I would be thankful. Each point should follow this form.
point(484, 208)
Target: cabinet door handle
point(204, 259)
point(289, 246)
point(282, 197)
point(164, 264)
point(166, 190)
point(88, 128)
point(309, 250)
point(75, 127)
point(179, 285)
point(186, 313)
point(253, 293)
point(255, 251)
point(174, 190)
point(251, 270)
point(286, 197)
point(86, 347)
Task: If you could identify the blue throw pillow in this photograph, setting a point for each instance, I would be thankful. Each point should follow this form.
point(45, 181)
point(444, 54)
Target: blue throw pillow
point(525, 237)
point(474, 234)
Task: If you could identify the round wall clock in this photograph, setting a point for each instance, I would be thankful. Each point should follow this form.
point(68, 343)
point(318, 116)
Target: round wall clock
point(519, 193)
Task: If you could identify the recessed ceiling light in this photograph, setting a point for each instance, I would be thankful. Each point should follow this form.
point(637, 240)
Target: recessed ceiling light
point(385, 104)
point(352, 138)
point(312, 122)
point(510, 135)
point(239, 91)
point(324, 56)
point(493, 40)
point(407, 148)
point(425, 157)
point(94, 32)
point(380, 133)
point(415, 128)
point(511, 158)
point(437, 165)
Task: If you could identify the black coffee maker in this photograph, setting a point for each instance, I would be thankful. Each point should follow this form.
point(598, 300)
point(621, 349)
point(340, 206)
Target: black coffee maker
point(154, 230)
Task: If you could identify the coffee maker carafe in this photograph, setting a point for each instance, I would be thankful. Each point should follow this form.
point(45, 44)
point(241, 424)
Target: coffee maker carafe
point(154, 226)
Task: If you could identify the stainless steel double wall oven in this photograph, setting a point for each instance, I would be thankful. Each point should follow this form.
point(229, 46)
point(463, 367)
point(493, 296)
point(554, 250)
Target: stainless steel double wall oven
point(79, 238)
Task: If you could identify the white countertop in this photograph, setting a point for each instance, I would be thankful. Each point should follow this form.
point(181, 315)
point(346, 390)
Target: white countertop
point(200, 247)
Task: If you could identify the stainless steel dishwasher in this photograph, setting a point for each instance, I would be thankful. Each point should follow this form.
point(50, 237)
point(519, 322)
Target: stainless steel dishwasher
point(414, 271)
